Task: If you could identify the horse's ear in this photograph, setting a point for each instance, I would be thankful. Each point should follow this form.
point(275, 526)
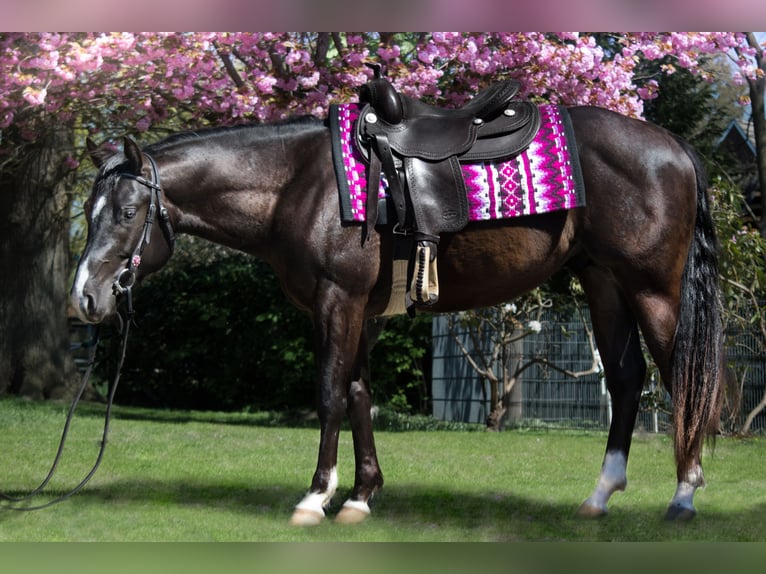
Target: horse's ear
point(99, 153)
point(133, 154)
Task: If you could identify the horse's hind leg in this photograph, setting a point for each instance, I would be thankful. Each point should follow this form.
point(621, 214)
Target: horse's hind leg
point(655, 309)
point(616, 332)
point(658, 316)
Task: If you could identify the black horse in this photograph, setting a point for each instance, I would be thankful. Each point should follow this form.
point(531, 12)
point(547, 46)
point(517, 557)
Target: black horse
point(644, 250)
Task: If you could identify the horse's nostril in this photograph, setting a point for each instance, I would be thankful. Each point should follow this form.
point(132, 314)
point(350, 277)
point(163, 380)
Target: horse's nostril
point(89, 304)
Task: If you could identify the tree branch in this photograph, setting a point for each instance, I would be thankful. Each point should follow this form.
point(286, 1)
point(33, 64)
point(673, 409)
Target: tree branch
point(323, 44)
point(752, 414)
point(752, 41)
point(229, 65)
point(482, 372)
point(278, 63)
point(574, 374)
point(338, 41)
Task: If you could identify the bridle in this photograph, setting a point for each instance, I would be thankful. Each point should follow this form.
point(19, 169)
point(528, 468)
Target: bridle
point(122, 286)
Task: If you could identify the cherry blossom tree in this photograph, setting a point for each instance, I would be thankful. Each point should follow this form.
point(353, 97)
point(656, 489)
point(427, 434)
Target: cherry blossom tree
point(56, 88)
point(136, 81)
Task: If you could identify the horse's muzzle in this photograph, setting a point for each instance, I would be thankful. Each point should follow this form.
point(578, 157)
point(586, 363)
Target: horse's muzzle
point(92, 306)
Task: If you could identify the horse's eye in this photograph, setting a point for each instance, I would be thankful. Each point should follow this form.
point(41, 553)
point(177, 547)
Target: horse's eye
point(129, 212)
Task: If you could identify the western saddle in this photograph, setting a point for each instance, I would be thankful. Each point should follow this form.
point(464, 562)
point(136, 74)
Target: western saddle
point(419, 148)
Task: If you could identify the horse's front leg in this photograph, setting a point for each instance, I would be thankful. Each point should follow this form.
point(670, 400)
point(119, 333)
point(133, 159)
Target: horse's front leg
point(368, 476)
point(338, 325)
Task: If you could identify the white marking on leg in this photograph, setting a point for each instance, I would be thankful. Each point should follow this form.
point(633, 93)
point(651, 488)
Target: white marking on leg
point(353, 512)
point(359, 505)
point(316, 502)
point(613, 478)
point(684, 495)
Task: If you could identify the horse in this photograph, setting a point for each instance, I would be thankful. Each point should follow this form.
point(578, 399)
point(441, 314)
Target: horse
point(643, 248)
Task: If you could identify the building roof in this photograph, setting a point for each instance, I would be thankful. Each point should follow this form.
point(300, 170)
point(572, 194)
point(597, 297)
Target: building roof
point(737, 140)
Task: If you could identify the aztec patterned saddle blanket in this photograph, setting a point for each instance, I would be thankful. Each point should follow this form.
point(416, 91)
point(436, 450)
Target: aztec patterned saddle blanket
point(545, 177)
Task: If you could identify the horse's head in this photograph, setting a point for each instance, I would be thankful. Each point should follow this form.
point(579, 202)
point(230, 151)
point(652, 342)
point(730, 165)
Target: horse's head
point(123, 243)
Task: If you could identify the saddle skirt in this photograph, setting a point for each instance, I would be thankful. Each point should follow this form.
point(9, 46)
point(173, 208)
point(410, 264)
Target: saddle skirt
point(544, 177)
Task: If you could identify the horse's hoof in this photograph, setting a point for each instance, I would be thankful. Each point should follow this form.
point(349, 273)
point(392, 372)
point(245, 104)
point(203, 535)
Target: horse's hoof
point(588, 510)
point(303, 517)
point(351, 515)
point(678, 513)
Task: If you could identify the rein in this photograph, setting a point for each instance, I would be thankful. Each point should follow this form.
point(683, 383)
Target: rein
point(123, 286)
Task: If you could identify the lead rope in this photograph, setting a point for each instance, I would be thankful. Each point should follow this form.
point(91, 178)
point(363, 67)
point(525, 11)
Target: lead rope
point(11, 502)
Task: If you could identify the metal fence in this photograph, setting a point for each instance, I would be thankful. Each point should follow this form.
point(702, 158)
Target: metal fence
point(548, 397)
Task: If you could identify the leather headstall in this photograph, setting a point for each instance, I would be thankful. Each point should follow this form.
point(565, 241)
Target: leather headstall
point(124, 283)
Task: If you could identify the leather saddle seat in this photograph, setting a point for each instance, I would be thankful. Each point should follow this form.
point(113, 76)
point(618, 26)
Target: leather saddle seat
point(382, 96)
point(419, 147)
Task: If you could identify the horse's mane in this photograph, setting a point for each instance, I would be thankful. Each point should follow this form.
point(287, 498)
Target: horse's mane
point(258, 130)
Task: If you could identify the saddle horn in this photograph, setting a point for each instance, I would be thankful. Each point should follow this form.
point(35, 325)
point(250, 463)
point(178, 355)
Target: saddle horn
point(382, 97)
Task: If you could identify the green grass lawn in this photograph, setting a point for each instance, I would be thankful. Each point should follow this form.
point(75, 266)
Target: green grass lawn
point(176, 476)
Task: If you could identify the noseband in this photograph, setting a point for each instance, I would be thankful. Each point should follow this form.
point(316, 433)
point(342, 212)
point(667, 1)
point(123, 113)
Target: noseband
point(123, 285)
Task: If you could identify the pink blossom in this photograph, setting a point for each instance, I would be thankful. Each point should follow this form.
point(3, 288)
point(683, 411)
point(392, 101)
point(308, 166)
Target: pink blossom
point(33, 96)
point(391, 53)
point(265, 84)
point(143, 124)
point(6, 120)
point(307, 82)
point(288, 85)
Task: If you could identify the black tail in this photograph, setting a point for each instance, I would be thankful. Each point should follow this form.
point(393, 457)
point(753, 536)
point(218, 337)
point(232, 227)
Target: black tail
point(697, 359)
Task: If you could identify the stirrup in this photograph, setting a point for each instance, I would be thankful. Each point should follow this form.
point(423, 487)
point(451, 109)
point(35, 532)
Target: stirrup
point(424, 288)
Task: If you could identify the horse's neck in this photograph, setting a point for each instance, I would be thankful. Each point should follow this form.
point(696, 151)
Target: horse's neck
point(228, 194)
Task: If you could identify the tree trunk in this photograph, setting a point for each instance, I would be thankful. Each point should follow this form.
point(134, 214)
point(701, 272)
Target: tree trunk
point(759, 128)
point(757, 87)
point(34, 266)
point(494, 421)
